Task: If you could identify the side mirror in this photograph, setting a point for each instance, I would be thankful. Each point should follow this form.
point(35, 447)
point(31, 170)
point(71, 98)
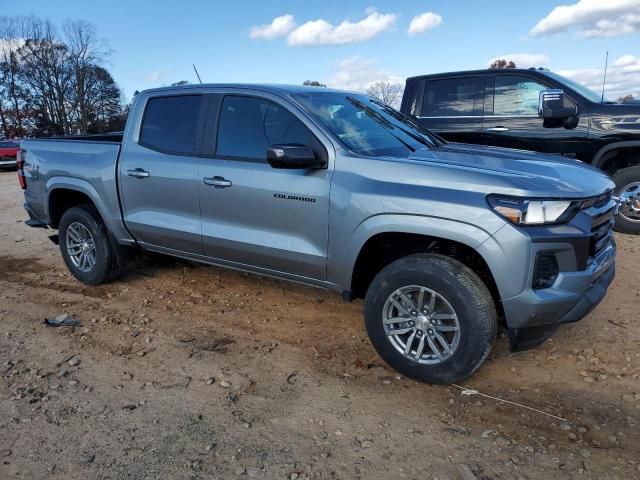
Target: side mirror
point(551, 104)
point(293, 156)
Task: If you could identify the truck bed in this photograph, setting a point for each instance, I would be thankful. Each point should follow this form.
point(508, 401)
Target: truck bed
point(86, 164)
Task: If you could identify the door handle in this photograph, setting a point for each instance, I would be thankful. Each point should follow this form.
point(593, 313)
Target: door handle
point(138, 173)
point(496, 129)
point(218, 182)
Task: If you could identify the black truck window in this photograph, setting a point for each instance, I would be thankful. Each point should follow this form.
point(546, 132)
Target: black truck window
point(248, 125)
point(516, 95)
point(170, 124)
point(453, 97)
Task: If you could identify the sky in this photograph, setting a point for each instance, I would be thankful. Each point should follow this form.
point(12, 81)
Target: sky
point(350, 43)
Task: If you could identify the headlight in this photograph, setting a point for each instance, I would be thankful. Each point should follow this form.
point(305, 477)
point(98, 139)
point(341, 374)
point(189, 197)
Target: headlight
point(522, 211)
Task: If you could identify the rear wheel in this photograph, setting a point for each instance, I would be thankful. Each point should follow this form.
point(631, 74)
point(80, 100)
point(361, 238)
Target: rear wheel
point(627, 183)
point(85, 246)
point(431, 318)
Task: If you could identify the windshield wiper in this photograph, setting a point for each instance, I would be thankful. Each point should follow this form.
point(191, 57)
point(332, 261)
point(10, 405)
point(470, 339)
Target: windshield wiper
point(382, 121)
point(403, 118)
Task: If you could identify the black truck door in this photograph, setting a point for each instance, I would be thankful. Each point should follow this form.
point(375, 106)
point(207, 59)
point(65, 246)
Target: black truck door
point(452, 107)
point(511, 119)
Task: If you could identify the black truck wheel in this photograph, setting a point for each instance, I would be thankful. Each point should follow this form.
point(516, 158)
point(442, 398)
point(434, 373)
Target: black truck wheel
point(431, 318)
point(627, 183)
point(85, 246)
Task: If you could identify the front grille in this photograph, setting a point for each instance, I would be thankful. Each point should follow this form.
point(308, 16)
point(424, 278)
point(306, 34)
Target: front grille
point(601, 225)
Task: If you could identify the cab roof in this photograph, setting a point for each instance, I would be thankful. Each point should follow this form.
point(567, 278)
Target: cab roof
point(485, 71)
point(281, 89)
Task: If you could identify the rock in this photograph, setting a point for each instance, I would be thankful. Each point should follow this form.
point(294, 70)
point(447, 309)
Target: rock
point(253, 472)
point(565, 426)
point(585, 453)
point(225, 384)
point(127, 376)
point(240, 471)
point(74, 361)
point(211, 381)
point(88, 458)
point(364, 443)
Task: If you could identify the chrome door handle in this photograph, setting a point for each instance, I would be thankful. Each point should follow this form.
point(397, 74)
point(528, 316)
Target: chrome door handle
point(496, 129)
point(218, 182)
point(138, 173)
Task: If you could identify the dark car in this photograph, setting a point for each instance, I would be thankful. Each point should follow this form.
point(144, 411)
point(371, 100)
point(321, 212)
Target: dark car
point(539, 110)
point(8, 153)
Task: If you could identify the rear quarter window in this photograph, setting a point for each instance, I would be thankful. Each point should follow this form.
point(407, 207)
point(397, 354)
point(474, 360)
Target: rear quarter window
point(170, 124)
point(453, 97)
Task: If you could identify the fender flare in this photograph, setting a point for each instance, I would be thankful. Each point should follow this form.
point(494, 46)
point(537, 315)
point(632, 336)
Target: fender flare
point(600, 157)
point(82, 186)
point(464, 233)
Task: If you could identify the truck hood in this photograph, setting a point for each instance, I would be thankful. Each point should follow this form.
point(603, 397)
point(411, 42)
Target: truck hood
point(523, 171)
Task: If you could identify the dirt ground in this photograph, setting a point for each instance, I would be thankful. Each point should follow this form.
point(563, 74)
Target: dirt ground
point(193, 372)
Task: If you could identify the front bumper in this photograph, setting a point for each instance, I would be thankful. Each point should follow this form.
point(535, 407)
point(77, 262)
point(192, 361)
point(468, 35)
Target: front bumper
point(534, 315)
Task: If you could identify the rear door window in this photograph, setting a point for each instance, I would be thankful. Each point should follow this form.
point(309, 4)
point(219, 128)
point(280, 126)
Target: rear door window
point(453, 97)
point(170, 124)
point(516, 96)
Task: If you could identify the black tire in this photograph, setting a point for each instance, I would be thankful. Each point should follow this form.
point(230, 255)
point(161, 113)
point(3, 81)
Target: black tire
point(108, 258)
point(466, 294)
point(622, 179)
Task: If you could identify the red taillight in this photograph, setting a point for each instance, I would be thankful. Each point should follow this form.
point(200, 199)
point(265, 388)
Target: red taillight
point(20, 159)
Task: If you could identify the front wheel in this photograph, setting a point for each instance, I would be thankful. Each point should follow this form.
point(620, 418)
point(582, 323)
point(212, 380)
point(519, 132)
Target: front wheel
point(431, 318)
point(627, 183)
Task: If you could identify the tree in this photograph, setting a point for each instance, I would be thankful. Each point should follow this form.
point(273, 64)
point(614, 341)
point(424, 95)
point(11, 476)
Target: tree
point(502, 63)
point(313, 83)
point(628, 99)
point(85, 51)
point(387, 92)
point(53, 85)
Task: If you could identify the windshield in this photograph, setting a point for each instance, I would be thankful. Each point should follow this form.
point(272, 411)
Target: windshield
point(9, 144)
point(366, 126)
point(577, 87)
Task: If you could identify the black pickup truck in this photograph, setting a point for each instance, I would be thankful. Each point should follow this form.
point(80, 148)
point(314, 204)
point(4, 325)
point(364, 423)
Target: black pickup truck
point(535, 109)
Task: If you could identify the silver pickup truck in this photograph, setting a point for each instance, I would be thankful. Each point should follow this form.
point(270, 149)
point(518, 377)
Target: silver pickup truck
point(445, 242)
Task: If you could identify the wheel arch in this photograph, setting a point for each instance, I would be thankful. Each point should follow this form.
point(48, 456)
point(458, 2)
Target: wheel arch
point(386, 238)
point(606, 157)
point(62, 193)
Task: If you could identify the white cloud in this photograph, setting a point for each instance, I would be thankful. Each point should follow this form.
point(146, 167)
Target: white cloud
point(358, 73)
point(592, 18)
point(279, 27)
point(153, 76)
point(523, 60)
point(321, 32)
point(623, 77)
point(10, 45)
point(423, 22)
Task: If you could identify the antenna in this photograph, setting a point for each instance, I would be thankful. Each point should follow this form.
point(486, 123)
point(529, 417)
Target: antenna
point(604, 81)
point(198, 75)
